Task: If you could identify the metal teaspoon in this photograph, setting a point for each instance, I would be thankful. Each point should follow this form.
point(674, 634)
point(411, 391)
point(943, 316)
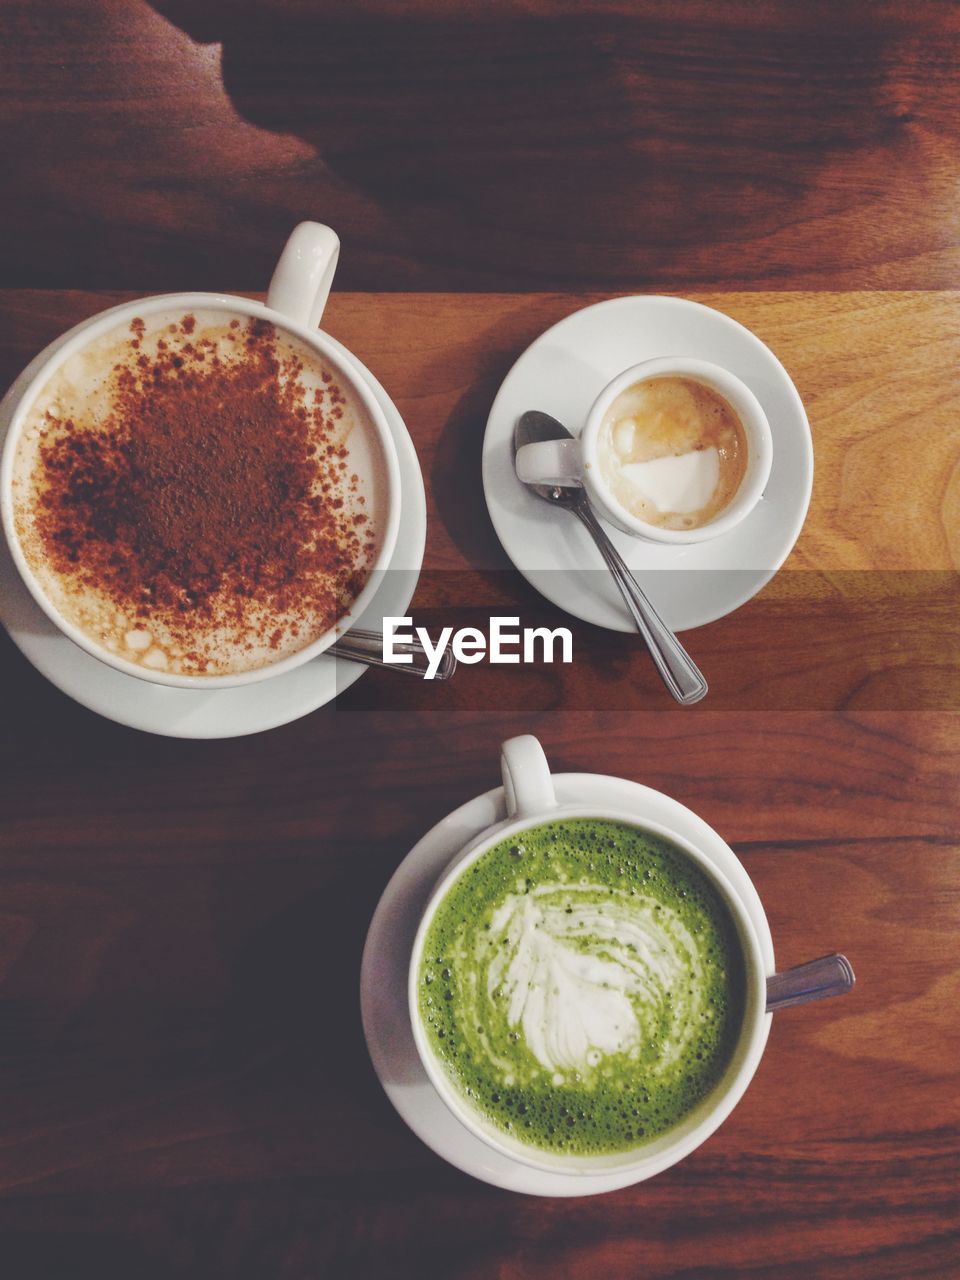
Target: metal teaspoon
point(828, 976)
point(367, 647)
point(677, 669)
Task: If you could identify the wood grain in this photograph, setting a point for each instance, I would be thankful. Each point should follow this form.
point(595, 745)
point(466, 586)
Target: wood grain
point(185, 1082)
point(870, 598)
point(877, 372)
point(186, 1089)
point(521, 144)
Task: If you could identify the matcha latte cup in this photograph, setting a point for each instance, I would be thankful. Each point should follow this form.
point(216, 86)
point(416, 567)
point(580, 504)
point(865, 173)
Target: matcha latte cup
point(587, 990)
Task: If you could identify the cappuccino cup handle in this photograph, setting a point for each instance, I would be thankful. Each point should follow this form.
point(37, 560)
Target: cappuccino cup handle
point(527, 784)
point(550, 462)
point(302, 278)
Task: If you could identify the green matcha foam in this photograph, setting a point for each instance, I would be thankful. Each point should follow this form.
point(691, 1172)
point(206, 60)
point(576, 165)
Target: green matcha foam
point(582, 984)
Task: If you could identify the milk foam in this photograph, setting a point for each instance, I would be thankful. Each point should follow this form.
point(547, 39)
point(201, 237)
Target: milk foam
point(683, 483)
point(581, 969)
point(79, 395)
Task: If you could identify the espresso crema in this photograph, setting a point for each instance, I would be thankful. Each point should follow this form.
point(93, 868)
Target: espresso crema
point(673, 452)
point(198, 493)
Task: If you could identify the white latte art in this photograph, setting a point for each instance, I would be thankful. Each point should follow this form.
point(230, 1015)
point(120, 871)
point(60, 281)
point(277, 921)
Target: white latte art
point(583, 974)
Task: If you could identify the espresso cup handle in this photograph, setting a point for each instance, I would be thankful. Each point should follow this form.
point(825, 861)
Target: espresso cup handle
point(550, 462)
point(527, 784)
point(302, 278)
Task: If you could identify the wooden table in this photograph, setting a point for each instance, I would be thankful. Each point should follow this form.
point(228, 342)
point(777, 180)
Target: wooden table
point(185, 1087)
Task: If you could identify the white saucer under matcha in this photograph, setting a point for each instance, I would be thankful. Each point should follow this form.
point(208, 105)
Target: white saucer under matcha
point(561, 374)
point(230, 712)
point(384, 972)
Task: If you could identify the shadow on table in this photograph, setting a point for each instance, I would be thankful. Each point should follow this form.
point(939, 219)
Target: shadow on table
point(35, 1255)
point(289, 1045)
point(455, 480)
point(572, 144)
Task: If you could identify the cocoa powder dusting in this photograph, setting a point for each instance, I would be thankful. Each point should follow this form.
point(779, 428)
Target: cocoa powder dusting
point(215, 495)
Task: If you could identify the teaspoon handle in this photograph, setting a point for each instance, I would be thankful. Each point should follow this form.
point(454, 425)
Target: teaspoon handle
point(677, 669)
point(367, 647)
point(828, 976)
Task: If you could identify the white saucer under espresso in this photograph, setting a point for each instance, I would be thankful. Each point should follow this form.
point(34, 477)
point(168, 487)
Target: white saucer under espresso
point(231, 712)
point(386, 958)
point(561, 373)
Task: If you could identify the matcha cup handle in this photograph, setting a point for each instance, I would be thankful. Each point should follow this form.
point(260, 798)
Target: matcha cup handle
point(828, 976)
point(527, 784)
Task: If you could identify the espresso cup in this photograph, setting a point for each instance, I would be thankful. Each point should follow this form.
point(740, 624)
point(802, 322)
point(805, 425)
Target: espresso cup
point(521, 841)
point(577, 462)
point(294, 307)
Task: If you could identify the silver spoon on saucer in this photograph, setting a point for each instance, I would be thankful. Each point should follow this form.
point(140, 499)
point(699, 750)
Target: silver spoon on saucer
point(366, 647)
point(677, 669)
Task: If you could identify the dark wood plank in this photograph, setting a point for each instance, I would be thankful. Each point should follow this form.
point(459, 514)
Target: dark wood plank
point(186, 1090)
point(183, 1070)
point(511, 145)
